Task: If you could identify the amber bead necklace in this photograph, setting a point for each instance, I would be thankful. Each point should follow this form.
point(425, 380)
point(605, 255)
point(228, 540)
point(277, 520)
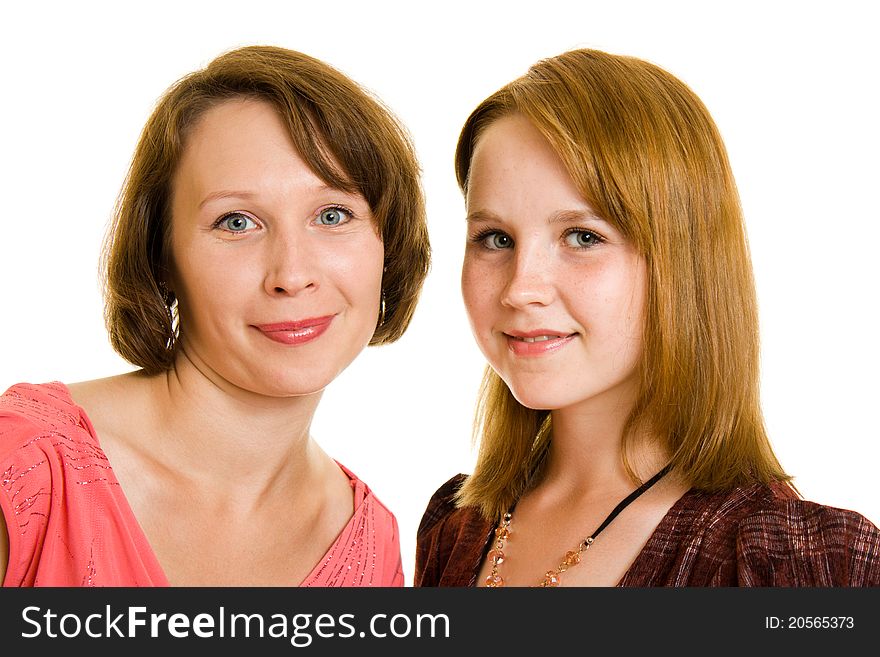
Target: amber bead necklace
point(572, 557)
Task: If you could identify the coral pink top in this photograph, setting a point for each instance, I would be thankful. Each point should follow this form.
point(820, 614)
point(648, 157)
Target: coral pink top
point(69, 523)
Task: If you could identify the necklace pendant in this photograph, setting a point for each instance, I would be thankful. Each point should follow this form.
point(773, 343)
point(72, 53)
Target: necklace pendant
point(551, 579)
point(572, 558)
point(494, 581)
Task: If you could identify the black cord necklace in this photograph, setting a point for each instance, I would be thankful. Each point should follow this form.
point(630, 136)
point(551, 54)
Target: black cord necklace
point(572, 557)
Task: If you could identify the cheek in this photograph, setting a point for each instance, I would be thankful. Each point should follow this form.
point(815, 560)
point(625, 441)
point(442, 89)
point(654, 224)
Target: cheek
point(636, 299)
point(203, 295)
point(214, 279)
point(187, 278)
point(478, 290)
point(610, 295)
point(634, 314)
point(358, 270)
point(362, 254)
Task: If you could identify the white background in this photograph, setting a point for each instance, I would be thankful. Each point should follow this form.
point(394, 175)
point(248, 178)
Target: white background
point(790, 84)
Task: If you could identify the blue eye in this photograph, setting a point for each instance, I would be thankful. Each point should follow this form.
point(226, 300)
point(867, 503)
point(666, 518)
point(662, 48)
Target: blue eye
point(500, 241)
point(333, 216)
point(494, 240)
point(582, 239)
point(236, 222)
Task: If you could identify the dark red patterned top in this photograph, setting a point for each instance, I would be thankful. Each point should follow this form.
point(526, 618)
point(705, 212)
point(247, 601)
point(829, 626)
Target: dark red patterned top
point(751, 536)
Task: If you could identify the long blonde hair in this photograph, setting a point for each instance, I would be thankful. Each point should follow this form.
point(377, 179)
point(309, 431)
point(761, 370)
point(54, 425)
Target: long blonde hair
point(645, 153)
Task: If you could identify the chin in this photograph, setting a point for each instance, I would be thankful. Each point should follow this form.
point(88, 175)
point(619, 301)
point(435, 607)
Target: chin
point(540, 397)
point(288, 383)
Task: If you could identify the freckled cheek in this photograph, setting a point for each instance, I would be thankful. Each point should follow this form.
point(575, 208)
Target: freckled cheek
point(480, 292)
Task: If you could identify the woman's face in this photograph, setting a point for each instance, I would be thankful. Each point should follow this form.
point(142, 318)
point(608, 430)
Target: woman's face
point(554, 293)
point(278, 276)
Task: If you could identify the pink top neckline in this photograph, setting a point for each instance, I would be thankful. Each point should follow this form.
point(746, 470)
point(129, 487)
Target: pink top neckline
point(155, 568)
point(70, 524)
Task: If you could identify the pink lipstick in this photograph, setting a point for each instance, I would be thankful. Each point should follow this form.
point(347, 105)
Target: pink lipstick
point(538, 342)
point(298, 332)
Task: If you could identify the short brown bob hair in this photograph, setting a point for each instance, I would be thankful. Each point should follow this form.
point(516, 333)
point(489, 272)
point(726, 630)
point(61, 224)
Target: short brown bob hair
point(346, 135)
point(644, 151)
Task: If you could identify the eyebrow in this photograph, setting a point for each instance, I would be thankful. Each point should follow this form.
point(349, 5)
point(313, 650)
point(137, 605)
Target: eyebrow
point(249, 195)
point(481, 215)
point(226, 193)
point(561, 217)
point(565, 216)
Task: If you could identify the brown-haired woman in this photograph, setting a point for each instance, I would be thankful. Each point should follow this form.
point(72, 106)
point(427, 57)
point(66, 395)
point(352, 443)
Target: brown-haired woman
point(608, 282)
point(271, 226)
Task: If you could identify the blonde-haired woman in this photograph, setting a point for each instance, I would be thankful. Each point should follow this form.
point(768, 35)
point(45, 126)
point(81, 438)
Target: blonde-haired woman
point(608, 282)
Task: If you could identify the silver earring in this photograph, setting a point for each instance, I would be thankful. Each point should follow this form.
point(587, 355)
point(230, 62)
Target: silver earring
point(382, 310)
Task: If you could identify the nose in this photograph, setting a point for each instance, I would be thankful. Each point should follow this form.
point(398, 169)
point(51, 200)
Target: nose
point(291, 265)
point(530, 278)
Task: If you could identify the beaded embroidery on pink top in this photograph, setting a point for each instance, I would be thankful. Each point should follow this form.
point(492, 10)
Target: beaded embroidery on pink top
point(69, 523)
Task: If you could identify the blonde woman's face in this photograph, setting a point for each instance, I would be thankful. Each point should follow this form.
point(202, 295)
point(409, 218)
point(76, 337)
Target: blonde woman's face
point(278, 276)
point(555, 294)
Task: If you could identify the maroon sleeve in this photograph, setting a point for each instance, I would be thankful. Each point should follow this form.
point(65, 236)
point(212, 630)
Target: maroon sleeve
point(450, 540)
point(801, 543)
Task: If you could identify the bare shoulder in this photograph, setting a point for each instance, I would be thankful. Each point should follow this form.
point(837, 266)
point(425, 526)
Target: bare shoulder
point(98, 393)
point(109, 401)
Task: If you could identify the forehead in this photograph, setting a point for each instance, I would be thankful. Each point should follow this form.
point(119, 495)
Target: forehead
point(243, 148)
point(240, 139)
point(513, 162)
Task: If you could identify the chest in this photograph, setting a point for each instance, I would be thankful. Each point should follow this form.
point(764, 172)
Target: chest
point(575, 544)
point(218, 550)
point(202, 536)
point(531, 552)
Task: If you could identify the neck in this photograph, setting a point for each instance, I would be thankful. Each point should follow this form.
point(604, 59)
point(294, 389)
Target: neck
point(586, 449)
point(217, 433)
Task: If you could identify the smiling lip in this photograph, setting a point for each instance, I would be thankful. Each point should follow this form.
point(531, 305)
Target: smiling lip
point(298, 332)
point(538, 342)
